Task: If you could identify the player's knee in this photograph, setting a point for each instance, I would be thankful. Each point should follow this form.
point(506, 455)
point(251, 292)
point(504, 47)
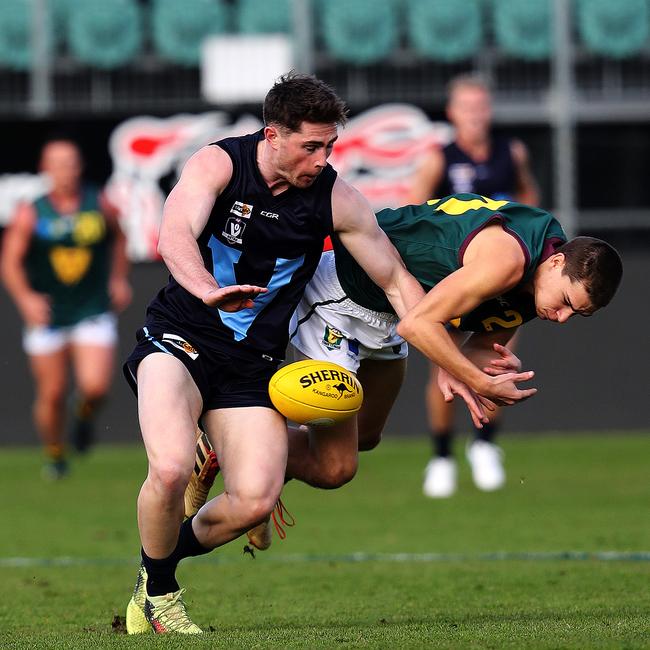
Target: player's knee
point(170, 477)
point(338, 473)
point(255, 510)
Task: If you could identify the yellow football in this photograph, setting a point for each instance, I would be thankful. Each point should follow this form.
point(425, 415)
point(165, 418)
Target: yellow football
point(319, 393)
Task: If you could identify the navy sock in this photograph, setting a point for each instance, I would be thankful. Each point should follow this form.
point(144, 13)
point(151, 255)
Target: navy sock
point(488, 432)
point(161, 575)
point(441, 441)
point(188, 545)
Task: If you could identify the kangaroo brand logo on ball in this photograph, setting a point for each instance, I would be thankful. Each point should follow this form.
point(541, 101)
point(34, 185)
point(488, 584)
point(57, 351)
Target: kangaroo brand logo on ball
point(319, 393)
point(345, 383)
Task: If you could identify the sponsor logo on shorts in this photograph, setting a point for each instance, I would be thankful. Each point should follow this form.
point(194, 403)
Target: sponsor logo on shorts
point(242, 209)
point(332, 338)
point(181, 344)
point(234, 230)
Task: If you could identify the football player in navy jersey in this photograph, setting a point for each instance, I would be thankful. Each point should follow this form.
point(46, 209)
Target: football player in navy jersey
point(485, 163)
point(242, 234)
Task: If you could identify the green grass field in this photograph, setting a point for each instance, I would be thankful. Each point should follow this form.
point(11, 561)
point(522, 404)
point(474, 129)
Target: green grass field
point(559, 559)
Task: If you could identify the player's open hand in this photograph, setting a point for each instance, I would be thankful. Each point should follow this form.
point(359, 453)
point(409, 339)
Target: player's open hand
point(506, 362)
point(503, 390)
point(234, 297)
point(477, 405)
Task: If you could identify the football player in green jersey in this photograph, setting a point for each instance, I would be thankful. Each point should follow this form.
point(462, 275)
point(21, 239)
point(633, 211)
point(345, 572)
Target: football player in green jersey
point(64, 264)
point(487, 267)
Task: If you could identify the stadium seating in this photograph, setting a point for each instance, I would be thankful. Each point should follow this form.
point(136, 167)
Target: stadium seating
point(15, 35)
point(105, 34)
point(263, 17)
point(617, 29)
point(523, 29)
point(180, 27)
point(444, 30)
point(358, 31)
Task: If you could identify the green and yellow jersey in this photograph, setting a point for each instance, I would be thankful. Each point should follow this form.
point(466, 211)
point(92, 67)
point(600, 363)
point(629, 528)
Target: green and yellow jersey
point(69, 259)
point(432, 239)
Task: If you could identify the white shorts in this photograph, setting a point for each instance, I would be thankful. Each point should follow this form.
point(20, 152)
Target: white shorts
point(94, 330)
point(326, 325)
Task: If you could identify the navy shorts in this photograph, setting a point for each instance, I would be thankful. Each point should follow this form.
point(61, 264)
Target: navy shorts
point(227, 375)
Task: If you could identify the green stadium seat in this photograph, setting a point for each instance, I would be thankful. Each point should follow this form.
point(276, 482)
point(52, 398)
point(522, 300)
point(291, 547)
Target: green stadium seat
point(524, 28)
point(179, 27)
point(105, 33)
point(15, 34)
point(358, 31)
point(263, 17)
point(444, 30)
point(614, 28)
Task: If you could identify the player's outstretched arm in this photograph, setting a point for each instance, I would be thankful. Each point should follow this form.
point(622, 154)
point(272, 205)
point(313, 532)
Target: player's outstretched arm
point(493, 264)
point(186, 214)
point(358, 230)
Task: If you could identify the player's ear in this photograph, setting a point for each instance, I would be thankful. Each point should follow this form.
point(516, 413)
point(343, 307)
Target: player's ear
point(558, 260)
point(272, 135)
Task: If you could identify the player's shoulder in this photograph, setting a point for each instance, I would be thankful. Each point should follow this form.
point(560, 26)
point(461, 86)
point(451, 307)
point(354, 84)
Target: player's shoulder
point(211, 164)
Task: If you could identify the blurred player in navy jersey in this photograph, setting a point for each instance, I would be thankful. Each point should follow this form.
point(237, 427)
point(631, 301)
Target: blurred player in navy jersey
point(496, 167)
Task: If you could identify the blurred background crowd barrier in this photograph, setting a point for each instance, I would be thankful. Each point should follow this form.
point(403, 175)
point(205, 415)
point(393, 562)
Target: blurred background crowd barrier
point(141, 86)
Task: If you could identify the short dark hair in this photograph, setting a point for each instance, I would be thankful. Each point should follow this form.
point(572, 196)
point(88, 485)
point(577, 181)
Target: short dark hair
point(596, 265)
point(297, 98)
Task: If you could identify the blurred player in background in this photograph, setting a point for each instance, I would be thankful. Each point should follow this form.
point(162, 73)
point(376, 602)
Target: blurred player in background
point(64, 264)
point(242, 234)
point(496, 167)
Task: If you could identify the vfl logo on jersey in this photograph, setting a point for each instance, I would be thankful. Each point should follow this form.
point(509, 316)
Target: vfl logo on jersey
point(234, 230)
point(462, 177)
point(181, 344)
point(332, 338)
point(242, 209)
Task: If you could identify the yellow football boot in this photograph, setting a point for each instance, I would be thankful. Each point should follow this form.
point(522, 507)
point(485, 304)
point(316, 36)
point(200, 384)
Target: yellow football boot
point(167, 614)
point(136, 621)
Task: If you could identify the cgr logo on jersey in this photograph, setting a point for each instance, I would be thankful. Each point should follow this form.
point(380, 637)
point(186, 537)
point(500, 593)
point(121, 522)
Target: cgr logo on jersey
point(270, 215)
point(234, 230)
point(242, 209)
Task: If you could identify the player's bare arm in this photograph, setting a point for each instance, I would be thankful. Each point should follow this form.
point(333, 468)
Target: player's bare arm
point(493, 264)
point(34, 307)
point(427, 178)
point(527, 190)
point(357, 227)
point(185, 215)
point(119, 287)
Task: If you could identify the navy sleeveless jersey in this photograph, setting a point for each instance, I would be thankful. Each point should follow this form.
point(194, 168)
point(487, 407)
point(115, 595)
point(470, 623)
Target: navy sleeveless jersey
point(253, 237)
point(494, 178)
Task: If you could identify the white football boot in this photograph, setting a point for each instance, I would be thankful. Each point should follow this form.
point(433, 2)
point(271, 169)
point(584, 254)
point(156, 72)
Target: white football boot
point(486, 461)
point(440, 478)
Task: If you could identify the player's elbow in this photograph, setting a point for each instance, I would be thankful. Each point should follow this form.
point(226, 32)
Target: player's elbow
point(406, 328)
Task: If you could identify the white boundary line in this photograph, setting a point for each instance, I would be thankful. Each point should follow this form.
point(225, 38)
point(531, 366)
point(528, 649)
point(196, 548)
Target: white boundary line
point(353, 558)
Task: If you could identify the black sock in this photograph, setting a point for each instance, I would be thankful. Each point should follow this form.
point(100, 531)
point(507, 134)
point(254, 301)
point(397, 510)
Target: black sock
point(161, 575)
point(488, 432)
point(441, 441)
point(188, 545)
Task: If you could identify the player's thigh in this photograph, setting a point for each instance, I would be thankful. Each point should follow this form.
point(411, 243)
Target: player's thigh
point(50, 371)
point(251, 444)
point(169, 406)
point(92, 344)
point(93, 367)
point(381, 381)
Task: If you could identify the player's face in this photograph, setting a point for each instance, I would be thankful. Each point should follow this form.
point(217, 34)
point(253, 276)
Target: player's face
point(61, 161)
point(557, 298)
point(302, 155)
point(470, 111)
